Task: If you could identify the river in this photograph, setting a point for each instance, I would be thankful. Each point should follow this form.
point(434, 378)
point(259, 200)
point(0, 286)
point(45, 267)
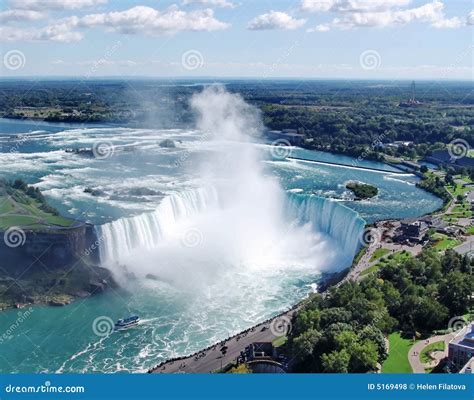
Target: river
point(200, 293)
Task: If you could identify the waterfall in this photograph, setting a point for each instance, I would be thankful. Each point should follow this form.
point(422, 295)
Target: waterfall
point(341, 223)
point(120, 237)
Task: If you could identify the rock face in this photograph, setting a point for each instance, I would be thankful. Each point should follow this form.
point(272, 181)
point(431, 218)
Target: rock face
point(54, 249)
point(51, 267)
point(167, 143)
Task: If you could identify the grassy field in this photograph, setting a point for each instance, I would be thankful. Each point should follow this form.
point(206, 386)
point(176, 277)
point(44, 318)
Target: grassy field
point(20, 210)
point(397, 361)
point(457, 189)
point(379, 253)
point(371, 269)
point(425, 353)
point(460, 210)
point(395, 257)
point(445, 244)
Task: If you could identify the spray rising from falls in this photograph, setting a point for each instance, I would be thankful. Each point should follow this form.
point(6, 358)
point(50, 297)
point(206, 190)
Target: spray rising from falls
point(146, 231)
point(238, 220)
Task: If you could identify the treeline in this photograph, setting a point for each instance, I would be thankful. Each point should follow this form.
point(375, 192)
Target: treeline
point(435, 185)
point(344, 331)
point(361, 126)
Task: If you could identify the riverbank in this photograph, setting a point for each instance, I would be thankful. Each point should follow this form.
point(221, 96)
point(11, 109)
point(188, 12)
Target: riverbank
point(212, 358)
point(226, 352)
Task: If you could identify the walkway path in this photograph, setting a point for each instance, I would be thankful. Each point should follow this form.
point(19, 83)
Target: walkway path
point(365, 261)
point(466, 247)
point(211, 359)
point(415, 351)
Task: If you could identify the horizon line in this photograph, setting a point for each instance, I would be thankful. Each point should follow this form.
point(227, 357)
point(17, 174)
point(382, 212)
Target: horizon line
point(144, 77)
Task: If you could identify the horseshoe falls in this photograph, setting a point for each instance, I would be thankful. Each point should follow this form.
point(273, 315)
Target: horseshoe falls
point(122, 237)
point(205, 239)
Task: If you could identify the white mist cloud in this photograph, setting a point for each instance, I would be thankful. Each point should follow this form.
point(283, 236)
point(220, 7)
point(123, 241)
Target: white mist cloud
point(55, 33)
point(275, 20)
point(210, 3)
point(235, 224)
point(8, 16)
point(136, 20)
point(350, 5)
point(320, 28)
point(470, 18)
point(361, 13)
point(150, 21)
point(54, 5)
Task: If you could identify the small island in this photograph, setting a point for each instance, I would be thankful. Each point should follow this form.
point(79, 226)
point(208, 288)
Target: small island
point(362, 190)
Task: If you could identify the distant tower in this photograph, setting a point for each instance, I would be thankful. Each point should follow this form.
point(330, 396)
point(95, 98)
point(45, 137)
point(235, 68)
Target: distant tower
point(412, 92)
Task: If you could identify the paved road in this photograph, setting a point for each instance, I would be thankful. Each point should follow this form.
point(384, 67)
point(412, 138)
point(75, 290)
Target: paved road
point(465, 247)
point(365, 261)
point(414, 353)
point(211, 359)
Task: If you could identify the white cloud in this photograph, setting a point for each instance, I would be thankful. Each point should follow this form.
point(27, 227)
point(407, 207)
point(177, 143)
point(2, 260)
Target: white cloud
point(377, 14)
point(275, 20)
point(454, 22)
point(45, 5)
point(320, 28)
point(136, 20)
point(470, 18)
point(210, 3)
point(54, 33)
point(149, 21)
point(20, 16)
point(350, 5)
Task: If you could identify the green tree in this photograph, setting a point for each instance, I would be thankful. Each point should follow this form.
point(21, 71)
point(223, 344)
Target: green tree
point(336, 361)
point(455, 292)
point(303, 345)
point(430, 315)
point(364, 356)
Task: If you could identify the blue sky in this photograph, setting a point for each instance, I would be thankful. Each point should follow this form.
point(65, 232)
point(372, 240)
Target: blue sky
point(393, 39)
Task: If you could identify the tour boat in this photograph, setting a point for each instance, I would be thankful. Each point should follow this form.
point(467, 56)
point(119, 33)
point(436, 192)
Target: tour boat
point(127, 322)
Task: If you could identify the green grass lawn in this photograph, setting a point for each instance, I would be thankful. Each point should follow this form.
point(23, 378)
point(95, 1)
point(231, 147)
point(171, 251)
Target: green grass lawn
point(379, 253)
point(446, 244)
point(6, 205)
point(457, 189)
point(470, 230)
point(399, 256)
point(461, 208)
point(465, 178)
point(395, 257)
point(371, 269)
point(425, 353)
point(397, 361)
point(23, 211)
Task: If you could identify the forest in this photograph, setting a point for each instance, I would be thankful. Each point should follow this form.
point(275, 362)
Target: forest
point(344, 331)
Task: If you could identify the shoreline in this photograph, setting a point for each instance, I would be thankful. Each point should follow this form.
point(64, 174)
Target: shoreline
point(351, 273)
point(323, 288)
point(65, 299)
point(263, 326)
